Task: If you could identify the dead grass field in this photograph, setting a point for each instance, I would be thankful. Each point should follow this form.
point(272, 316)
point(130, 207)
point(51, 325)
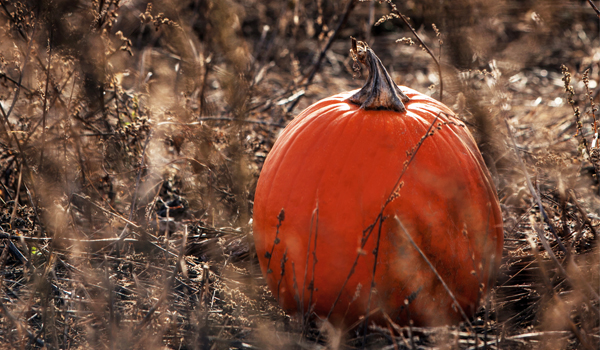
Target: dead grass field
point(132, 136)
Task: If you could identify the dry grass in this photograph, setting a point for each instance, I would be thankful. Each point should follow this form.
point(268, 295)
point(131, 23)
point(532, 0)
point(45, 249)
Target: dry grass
point(132, 136)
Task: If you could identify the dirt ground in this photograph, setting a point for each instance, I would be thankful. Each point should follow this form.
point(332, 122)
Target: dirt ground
point(132, 136)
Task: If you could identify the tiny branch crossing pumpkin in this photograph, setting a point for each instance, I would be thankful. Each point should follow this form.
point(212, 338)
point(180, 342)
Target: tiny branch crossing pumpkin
point(377, 202)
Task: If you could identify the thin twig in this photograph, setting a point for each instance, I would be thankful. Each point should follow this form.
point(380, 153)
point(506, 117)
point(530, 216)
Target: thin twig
point(106, 210)
point(126, 232)
point(541, 236)
point(584, 215)
point(7, 114)
point(167, 287)
point(269, 255)
point(207, 66)
point(3, 234)
point(317, 65)
point(14, 320)
point(6, 77)
point(14, 20)
point(310, 231)
point(18, 90)
point(370, 23)
point(372, 287)
point(45, 105)
point(460, 309)
point(594, 7)
point(16, 201)
point(367, 232)
point(58, 92)
point(236, 120)
point(437, 63)
point(577, 113)
point(107, 242)
point(311, 285)
point(548, 284)
point(17, 253)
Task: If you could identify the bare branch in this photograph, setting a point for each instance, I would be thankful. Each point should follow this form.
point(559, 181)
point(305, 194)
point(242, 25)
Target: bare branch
point(437, 63)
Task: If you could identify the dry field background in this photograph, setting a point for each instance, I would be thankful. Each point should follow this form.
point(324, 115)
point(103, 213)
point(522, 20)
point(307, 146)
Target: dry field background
point(132, 136)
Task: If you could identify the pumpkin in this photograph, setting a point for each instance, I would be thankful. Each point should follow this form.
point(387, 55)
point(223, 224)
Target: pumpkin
point(376, 203)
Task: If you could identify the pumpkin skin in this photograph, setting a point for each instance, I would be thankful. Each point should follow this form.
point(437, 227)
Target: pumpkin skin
point(332, 171)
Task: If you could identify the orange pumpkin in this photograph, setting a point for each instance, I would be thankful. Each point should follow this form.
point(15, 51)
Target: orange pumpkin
point(361, 192)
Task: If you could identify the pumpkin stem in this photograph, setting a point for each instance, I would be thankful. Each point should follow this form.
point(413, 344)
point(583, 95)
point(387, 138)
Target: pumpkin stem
point(380, 91)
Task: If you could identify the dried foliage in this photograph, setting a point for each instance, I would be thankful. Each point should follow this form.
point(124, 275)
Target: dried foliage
point(132, 134)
